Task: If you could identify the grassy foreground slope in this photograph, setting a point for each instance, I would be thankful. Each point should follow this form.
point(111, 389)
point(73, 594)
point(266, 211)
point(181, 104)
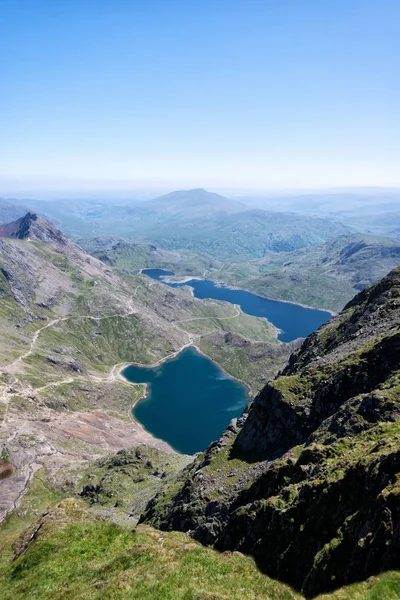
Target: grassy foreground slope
point(73, 555)
point(68, 553)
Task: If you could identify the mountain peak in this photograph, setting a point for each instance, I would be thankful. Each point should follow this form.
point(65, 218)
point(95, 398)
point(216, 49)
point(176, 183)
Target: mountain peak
point(33, 227)
point(197, 200)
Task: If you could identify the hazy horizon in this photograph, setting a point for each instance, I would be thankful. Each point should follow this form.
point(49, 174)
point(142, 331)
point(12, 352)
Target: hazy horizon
point(144, 193)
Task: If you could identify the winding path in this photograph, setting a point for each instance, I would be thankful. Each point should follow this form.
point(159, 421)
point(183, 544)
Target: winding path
point(115, 370)
point(237, 314)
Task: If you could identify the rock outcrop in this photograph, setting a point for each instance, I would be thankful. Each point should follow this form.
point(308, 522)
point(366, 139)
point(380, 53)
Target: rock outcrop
point(34, 227)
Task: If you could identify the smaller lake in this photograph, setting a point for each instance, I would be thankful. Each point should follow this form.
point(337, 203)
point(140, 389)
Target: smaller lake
point(293, 320)
point(190, 400)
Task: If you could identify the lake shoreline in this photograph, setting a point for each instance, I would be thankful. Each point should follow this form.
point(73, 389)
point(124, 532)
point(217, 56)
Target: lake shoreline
point(291, 320)
point(116, 374)
point(234, 287)
point(217, 283)
point(119, 375)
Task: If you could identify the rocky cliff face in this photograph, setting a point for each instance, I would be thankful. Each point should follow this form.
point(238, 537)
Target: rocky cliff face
point(34, 227)
point(308, 481)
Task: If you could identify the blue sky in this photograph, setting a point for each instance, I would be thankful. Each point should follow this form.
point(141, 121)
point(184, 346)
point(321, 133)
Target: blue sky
point(254, 94)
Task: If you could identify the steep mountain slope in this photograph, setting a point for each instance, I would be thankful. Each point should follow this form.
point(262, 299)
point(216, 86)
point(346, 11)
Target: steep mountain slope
point(34, 227)
point(308, 480)
point(68, 324)
point(68, 553)
point(65, 320)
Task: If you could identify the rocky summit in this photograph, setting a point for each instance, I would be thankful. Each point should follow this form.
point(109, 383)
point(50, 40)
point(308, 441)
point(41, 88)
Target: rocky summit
point(308, 480)
point(34, 227)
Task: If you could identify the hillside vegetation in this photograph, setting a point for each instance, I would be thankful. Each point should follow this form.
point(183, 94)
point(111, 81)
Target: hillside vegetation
point(68, 553)
point(326, 276)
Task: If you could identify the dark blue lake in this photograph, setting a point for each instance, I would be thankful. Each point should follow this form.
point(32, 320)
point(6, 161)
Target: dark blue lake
point(190, 400)
point(293, 320)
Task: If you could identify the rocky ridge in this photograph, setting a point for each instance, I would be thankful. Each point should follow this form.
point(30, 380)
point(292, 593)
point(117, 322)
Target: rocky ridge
point(34, 227)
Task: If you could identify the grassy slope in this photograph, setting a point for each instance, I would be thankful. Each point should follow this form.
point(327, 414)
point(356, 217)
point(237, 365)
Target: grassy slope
point(130, 257)
point(76, 556)
point(70, 554)
point(118, 486)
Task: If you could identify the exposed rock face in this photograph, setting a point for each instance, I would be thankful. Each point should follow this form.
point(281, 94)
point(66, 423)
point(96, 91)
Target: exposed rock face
point(310, 484)
point(34, 227)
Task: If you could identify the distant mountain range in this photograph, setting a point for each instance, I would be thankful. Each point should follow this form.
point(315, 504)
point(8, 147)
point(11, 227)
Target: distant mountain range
point(386, 224)
point(326, 276)
point(205, 222)
point(200, 221)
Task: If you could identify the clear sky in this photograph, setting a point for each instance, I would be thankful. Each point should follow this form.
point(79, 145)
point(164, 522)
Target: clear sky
point(199, 93)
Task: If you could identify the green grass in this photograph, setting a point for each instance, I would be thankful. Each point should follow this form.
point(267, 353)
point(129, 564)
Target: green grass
point(252, 363)
point(39, 498)
point(69, 554)
point(383, 587)
point(123, 483)
point(75, 556)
